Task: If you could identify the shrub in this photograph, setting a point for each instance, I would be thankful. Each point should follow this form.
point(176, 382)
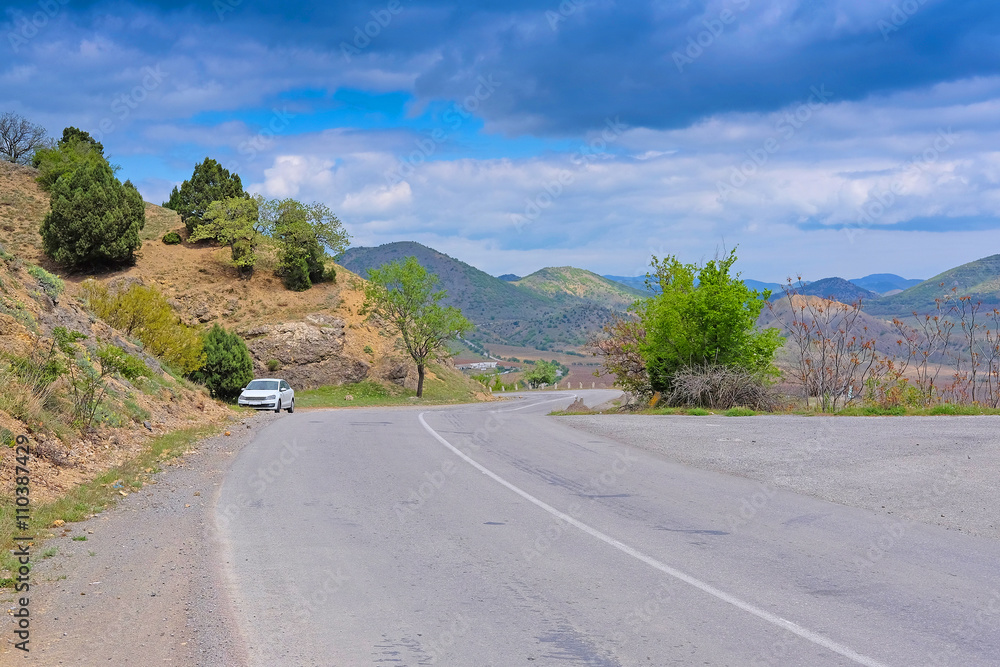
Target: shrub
point(144, 312)
point(698, 412)
point(94, 218)
point(703, 317)
point(51, 285)
point(305, 234)
point(369, 350)
point(228, 366)
point(171, 238)
point(273, 365)
point(234, 222)
point(720, 388)
point(295, 273)
point(210, 182)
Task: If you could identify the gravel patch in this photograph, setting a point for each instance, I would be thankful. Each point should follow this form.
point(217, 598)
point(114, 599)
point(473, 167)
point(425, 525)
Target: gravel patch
point(145, 587)
point(943, 471)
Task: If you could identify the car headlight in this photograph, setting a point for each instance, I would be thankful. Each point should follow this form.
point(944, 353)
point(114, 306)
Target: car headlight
point(272, 397)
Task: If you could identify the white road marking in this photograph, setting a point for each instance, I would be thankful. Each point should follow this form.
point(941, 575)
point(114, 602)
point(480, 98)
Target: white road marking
point(531, 405)
point(774, 619)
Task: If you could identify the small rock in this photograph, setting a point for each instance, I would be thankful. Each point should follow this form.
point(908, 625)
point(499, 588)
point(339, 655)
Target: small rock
point(228, 433)
point(348, 398)
point(149, 427)
point(197, 493)
point(57, 523)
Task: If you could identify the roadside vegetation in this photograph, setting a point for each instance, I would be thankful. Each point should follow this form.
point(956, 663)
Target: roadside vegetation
point(696, 346)
point(444, 386)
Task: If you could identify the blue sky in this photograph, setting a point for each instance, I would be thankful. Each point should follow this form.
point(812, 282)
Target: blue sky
point(823, 137)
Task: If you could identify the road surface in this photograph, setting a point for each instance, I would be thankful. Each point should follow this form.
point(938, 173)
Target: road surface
point(494, 535)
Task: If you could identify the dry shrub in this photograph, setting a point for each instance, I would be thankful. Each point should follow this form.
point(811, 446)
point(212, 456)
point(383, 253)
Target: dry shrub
point(720, 388)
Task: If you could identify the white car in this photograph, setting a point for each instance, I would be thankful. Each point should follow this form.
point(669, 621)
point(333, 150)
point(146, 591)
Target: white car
point(268, 394)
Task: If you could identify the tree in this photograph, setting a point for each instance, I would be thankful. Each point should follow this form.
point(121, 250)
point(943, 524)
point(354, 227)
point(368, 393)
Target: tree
point(94, 219)
point(67, 156)
point(72, 135)
point(620, 345)
point(19, 138)
point(228, 365)
point(233, 222)
point(210, 182)
point(402, 294)
point(308, 236)
point(542, 373)
point(703, 317)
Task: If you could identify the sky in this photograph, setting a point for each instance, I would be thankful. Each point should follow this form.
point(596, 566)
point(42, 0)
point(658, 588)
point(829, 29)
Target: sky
point(819, 137)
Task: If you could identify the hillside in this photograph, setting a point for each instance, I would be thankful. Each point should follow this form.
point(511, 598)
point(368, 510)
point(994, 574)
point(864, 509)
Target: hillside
point(836, 289)
point(539, 315)
point(313, 338)
point(566, 280)
point(979, 279)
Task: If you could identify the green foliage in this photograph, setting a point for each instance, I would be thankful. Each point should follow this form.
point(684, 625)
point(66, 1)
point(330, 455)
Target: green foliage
point(171, 238)
point(233, 222)
point(208, 183)
point(698, 412)
point(543, 372)
point(228, 365)
point(64, 158)
point(273, 365)
point(51, 285)
point(73, 135)
point(703, 317)
point(402, 294)
point(144, 312)
point(369, 350)
point(740, 412)
point(307, 236)
point(94, 220)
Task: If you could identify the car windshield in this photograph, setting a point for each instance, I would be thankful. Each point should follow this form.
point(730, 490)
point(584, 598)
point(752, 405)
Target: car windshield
point(260, 385)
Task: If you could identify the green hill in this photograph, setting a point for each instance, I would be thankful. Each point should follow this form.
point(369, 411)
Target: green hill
point(836, 289)
point(563, 281)
point(979, 279)
point(552, 308)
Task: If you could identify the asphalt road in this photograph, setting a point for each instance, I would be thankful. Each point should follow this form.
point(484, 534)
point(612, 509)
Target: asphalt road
point(494, 535)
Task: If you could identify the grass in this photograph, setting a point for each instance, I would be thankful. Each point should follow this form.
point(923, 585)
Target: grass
point(92, 497)
point(449, 386)
point(740, 412)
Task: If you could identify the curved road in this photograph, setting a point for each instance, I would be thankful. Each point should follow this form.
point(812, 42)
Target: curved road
point(493, 535)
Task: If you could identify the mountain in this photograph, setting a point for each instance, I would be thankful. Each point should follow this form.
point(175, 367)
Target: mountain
point(635, 282)
point(979, 279)
point(761, 286)
point(509, 277)
point(885, 282)
point(552, 307)
point(566, 280)
point(836, 289)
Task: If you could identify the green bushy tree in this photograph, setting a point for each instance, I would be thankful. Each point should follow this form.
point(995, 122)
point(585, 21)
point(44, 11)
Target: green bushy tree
point(402, 294)
point(233, 222)
point(94, 218)
point(66, 156)
point(703, 317)
point(543, 372)
point(209, 182)
point(228, 365)
point(308, 236)
point(75, 134)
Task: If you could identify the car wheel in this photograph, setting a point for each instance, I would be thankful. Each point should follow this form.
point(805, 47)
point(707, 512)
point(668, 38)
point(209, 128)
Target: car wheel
point(291, 408)
point(278, 407)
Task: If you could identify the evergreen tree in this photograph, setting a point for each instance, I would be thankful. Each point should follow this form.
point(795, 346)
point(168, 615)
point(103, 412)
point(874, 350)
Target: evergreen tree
point(75, 134)
point(228, 366)
point(210, 182)
point(94, 219)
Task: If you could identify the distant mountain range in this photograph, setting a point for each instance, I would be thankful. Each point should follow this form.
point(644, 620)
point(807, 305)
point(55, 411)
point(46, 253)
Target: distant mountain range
point(558, 307)
point(551, 308)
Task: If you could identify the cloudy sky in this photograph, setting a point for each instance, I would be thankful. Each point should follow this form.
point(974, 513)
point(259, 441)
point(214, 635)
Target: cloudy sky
point(823, 137)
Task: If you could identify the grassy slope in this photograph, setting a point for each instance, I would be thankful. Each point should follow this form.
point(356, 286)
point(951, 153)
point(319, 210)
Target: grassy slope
point(542, 316)
point(556, 282)
point(979, 279)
